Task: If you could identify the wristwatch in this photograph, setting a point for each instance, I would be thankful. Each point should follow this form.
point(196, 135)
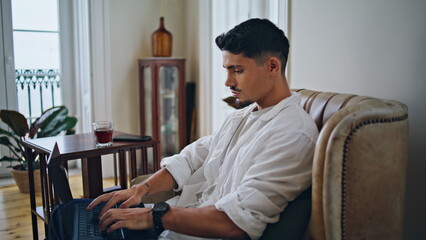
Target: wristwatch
point(158, 211)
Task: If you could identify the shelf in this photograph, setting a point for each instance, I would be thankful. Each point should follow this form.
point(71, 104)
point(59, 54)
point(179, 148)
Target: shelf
point(39, 212)
point(170, 96)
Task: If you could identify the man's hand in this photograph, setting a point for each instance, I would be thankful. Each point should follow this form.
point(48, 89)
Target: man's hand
point(160, 181)
point(129, 197)
point(130, 218)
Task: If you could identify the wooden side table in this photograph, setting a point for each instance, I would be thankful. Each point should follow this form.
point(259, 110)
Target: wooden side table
point(82, 146)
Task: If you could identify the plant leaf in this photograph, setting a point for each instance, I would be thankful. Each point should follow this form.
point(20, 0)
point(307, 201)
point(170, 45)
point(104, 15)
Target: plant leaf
point(17, 150)
point(232, 101)
point(54, 120)
point(70, 132)
point(5, 132)
point(42, 119)
point(5, 141)
point(65, 125)
point(16, 121)
point(10, 134)
point(68, 124)
point(9, 159)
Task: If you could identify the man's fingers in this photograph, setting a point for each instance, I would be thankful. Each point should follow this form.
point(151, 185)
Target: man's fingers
point(114, 200)
point(98, 200)
point(115, 226)
point(133, 219)
point(112, 220)
point(131, 202)
point(106, 219)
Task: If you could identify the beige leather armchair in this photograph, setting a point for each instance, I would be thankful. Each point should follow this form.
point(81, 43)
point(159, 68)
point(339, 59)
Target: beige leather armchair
point(359, 171)
point(359, 168)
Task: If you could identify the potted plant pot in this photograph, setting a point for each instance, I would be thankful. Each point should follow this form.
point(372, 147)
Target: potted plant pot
point(21, 179)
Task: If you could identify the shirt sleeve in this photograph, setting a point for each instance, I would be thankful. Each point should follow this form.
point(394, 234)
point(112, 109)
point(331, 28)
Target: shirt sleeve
point(181, 166)
point(279, 172)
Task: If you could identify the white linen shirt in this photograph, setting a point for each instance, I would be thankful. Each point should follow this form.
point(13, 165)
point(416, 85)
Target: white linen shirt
point(251, 176)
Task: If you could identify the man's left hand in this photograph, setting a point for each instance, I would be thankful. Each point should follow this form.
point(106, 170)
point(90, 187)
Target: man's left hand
point(130, 218)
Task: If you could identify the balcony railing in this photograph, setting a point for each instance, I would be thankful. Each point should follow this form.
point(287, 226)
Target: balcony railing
point(37, 91)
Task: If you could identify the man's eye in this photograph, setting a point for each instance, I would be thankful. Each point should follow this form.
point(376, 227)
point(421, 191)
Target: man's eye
point(238, 71)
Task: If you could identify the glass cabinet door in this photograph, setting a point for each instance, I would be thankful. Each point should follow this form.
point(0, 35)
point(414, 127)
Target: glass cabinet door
point(162, 110)
point(148, 94)
point(169, 109)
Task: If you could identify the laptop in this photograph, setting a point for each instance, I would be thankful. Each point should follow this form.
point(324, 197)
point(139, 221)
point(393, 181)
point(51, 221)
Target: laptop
point(77, 222)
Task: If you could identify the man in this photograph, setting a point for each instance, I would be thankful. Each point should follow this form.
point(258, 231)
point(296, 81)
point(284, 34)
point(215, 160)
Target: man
point(239, 179)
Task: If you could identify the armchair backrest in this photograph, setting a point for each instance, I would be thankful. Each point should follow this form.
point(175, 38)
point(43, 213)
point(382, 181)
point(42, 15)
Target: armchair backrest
point(359, 168)
point(358, 176)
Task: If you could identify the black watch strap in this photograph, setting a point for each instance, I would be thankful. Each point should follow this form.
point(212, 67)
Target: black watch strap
point(158, 211)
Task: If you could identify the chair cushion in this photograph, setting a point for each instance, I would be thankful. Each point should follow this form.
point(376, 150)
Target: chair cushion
point(293, 220)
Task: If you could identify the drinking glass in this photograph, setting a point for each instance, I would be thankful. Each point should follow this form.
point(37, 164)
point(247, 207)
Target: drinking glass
point(103, 131)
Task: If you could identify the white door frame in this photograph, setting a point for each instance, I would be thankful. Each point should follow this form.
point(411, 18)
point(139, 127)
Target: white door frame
point(8, 99)
point(7, 65)
point(101, 60)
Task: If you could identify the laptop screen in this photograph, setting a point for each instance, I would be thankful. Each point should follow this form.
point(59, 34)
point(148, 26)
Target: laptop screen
point(58, 176)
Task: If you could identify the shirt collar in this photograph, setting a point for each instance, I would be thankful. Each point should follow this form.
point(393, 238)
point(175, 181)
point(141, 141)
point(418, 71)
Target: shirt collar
point(295, 98)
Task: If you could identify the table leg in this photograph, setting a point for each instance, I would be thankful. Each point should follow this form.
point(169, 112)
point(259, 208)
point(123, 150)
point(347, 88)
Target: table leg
point(133, 166)
point(45, 194)
point(144, 160)
point(122, 169)
point(115, 169)
point(92, 177)
point(30, 157)
point(157, 153)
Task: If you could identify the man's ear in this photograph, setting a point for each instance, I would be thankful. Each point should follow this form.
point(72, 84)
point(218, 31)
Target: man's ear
point(274, 65)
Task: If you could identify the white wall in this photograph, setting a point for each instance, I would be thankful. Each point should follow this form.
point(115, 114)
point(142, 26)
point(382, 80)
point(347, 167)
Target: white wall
point(191, 42)
point(374, 48)
point(131, 24)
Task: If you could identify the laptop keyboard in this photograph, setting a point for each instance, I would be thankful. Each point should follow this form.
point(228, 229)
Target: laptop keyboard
point(88, 225)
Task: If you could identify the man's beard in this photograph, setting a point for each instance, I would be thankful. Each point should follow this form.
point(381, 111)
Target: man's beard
point(243, 104)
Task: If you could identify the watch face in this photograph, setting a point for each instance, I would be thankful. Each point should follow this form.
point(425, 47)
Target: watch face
point(160, 207)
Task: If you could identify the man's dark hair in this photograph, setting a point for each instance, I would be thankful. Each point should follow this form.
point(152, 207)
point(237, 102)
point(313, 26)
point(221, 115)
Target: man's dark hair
point(257, 39)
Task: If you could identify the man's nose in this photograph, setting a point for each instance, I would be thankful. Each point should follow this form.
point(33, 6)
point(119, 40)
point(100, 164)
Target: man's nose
point(230, 81)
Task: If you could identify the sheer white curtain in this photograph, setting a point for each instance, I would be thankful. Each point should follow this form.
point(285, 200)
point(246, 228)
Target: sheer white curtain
point(90, 22)
point(217, 17)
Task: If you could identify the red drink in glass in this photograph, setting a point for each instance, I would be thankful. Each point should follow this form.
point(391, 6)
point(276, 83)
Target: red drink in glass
point(103, 135)
point(103, 132)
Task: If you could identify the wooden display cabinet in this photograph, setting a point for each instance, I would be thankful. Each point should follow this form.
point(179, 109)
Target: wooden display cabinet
point(162, 102)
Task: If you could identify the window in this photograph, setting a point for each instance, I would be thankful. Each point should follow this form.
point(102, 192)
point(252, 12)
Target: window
point(36, 46)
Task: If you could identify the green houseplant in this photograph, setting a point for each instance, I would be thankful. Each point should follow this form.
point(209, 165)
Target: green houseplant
point(52, 122)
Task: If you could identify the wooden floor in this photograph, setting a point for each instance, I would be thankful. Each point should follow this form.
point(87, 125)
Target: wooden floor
point(15, 219)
